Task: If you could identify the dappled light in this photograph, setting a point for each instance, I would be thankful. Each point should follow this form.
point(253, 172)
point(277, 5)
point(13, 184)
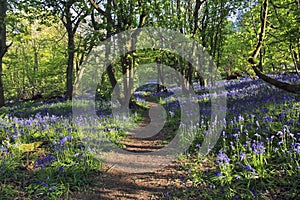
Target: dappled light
point(194, 99)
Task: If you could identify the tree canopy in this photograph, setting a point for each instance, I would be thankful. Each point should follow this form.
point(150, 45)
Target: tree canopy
point(44, 43)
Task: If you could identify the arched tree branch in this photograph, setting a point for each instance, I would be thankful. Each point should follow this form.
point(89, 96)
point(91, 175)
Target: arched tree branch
point(294, 88)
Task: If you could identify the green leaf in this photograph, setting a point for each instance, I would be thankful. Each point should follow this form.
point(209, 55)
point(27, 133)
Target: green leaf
point(29, 147)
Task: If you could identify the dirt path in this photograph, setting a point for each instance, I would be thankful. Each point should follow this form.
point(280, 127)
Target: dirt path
point(114, 183)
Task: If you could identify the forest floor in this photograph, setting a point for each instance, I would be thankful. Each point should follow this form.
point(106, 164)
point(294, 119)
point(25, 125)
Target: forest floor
point(113, 183)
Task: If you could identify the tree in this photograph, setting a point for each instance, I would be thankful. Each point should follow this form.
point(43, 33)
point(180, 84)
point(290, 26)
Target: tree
point(34, 65)
point(3, 46)
point(117, 17)
point(294, 88)
point(71, 13)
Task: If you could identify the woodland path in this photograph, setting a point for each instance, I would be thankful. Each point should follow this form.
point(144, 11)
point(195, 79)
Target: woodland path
point(113, 184)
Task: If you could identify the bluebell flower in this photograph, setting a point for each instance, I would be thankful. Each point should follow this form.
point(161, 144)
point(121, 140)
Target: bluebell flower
point(268, 118)
point(254, 192)
point(46, 160)
point(44, 184)
point(171, 114)
point(271, 138)
point(235, 197)
point(212, 186)
point(218, 174)
point(65, 139)
point(249, 168)
point(264, 110)
point(257, 123)
point(243, 155)
point(281, 116)
point(290, 121)
point(297, 148)
point(181, 178)
point(241, 118)
point(60, 170)
point(258, 148)
point(223, 133)
point(166, 194)
point(3, 149)
point(232, 145)
point(222, 158)
point(58, 130)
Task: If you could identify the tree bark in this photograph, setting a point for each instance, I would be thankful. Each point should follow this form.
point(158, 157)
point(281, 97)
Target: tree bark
point(159, 76)
point(196, 15)
point(71, 53)
point(3, 47)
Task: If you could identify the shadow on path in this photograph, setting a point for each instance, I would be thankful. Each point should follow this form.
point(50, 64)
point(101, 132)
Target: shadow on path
point(114, 184)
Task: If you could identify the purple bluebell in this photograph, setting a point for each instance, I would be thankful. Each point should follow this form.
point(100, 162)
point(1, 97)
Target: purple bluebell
point(249, 168)
point(241, 118)
point(268, 118)
point(65, 139)
point(3, 149)
point(242, 155)
point(254, 192)
point(181, 178)
point(297, 148)
point(218, 174)
point(258, 148)
point(235, 197)
point(222, 158)
point(44, 184)
point(46, 160)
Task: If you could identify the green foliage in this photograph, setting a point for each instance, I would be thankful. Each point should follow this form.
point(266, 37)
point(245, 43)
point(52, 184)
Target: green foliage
point(256, 157)
point(35, 63)
point(43, 155)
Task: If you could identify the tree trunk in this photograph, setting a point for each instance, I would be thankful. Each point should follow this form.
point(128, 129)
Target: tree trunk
point(158, 75)
point(3, 47)
point(196, 15)
point(125, 73)
point(131, 73)
point(2, 100)
point(260, 64)
point(294, 58)
point(35, 70)
point(71, 53)
point(71, 24)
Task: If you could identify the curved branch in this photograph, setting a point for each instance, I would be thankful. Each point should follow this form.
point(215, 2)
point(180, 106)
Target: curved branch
point(293, 88)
